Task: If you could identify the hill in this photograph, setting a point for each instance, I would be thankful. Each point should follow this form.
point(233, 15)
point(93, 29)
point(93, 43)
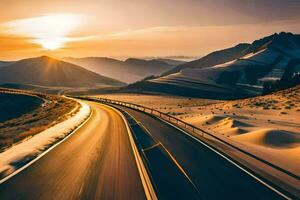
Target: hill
point(214, 58)
point(129, 71)
point(46, 71)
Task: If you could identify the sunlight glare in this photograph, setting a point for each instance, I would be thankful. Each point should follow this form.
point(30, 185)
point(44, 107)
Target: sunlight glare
point(49, 31)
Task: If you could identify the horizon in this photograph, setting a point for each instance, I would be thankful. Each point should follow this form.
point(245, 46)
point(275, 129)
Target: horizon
point(178, 58)
point(124, 58)
point(128, 29)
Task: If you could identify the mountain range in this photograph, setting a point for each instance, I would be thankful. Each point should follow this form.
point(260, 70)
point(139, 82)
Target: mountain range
point(128, 71)
point(236, 72)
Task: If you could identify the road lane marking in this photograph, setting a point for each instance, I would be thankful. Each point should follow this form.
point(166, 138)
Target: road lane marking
point(151, 147)
point(171, 156)
point(136, 123)
point(146, 182)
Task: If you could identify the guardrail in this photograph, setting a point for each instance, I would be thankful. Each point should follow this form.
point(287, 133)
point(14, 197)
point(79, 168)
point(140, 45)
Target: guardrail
point(153, 152)
point(193, 130)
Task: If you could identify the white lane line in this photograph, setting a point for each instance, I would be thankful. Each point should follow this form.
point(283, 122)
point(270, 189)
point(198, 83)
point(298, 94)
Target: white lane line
point(170, 155)
point(228, 159)
point(146, 182)
point(45, 152)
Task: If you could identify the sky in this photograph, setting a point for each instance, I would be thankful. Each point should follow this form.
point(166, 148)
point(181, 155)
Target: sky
point(138, 28)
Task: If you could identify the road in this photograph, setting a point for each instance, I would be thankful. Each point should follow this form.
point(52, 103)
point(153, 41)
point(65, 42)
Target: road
point(213, 176)
point(96, 162)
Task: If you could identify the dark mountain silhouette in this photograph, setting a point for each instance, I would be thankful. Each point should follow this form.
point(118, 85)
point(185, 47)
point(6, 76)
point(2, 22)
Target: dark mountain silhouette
point(46, 71)
point(5, 63)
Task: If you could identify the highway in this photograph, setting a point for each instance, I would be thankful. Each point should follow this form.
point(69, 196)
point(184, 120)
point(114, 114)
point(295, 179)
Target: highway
point(213, 176)
point(96, 162)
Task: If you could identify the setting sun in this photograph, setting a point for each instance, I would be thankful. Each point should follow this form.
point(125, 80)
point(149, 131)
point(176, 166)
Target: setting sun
point(51, 44)
point(49, 31)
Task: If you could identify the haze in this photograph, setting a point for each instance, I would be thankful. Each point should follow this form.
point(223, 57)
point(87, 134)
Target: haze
point(141, 28)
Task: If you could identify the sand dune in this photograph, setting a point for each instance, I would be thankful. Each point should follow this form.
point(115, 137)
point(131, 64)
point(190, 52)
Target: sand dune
point(221, 123)
point(205, 120)
point(230, 123)
point(229, 127)
point(271, 138)
point(232, 131)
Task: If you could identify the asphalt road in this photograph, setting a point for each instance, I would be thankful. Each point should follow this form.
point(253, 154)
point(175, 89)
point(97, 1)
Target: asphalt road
point(213, 176)
point(96, 162)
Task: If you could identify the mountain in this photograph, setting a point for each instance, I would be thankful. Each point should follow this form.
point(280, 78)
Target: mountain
point(128, 71)
point(237, 72)
point(46, 71)
point(214, 58)
point(170, 61)
point(5, 63)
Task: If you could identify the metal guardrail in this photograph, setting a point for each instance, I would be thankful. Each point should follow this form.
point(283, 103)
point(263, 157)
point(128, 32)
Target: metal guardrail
point(195, 131)
point(147, 146)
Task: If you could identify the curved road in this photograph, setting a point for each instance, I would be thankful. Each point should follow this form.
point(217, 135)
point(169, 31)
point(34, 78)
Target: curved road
point(212, 175)
point(96, 162)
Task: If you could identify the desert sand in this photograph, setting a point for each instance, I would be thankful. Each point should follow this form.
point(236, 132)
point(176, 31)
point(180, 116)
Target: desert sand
point(268, 126)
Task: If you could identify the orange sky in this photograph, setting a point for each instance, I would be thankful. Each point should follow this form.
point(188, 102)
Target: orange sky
point(137, 28)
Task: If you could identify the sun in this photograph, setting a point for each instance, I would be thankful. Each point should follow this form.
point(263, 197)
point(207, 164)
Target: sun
point(51, 44)
point(49, 31)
